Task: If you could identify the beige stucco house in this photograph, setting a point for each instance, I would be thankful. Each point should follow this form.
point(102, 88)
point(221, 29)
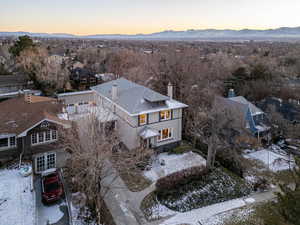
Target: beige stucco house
point(143, 117)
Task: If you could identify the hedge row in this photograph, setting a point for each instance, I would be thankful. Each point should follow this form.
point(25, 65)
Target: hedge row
point(179, 178)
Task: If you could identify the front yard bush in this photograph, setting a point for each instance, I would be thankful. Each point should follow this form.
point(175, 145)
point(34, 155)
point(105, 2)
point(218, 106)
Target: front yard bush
point(208, 188)
point(179, 178)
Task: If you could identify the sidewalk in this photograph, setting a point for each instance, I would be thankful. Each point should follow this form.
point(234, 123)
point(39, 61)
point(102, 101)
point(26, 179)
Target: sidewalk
point(202, 214)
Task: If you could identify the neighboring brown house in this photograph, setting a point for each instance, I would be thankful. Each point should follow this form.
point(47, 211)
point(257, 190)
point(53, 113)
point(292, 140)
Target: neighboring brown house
point(29, 129)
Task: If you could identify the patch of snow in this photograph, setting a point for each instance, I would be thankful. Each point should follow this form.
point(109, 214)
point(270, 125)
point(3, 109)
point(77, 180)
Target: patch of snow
point(173, 163)
point(249, 200)
point(17, 202)
point(79, 211)
point(194, 216)
point(52, 213)
point(274, 158)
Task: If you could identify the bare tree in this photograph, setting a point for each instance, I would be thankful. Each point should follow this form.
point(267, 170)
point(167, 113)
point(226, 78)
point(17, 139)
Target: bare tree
point(91, 143)
point(217, 127)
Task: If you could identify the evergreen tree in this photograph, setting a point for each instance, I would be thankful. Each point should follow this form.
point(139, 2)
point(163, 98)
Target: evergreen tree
point(22, 43)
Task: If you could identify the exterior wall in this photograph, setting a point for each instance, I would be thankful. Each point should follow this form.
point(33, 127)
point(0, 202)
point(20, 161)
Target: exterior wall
point(61, 157)
point(130, 135)
point(175, 124)
point(76, 98)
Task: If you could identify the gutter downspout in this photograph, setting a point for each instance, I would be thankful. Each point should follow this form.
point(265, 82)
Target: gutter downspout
point(21, 155)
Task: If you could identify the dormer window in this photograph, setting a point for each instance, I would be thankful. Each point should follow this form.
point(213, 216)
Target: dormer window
point(165, 114)
point(43, 137)
point(142, 119)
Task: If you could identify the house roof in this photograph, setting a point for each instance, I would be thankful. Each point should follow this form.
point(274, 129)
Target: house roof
point(253, 109)
point(237, 109)
point(136, 99)
point(17, 115)
point(148, 133)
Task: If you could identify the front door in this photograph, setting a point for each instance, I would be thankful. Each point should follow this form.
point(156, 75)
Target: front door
point(45, 161)
point(144, 143)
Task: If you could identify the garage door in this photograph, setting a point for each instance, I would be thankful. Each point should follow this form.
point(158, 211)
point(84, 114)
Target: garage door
point(45, 161)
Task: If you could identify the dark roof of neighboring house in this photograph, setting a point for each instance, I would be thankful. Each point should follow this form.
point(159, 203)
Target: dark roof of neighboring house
point(81, 72)
point(239, 110)
point(10, 80)
point(135, 98)
point(17, 115)
point(289, 110)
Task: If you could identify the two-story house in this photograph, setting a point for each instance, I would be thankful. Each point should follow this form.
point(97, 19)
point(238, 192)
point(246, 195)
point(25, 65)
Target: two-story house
point(29, 129)
point(143, 117)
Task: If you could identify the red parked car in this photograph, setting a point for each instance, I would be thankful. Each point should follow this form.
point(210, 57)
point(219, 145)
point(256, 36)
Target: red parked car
point(52, 187)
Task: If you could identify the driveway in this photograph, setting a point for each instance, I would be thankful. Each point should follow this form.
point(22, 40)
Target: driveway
point(54, 214)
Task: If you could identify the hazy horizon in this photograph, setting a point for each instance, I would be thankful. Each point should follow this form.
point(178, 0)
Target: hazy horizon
point(141, 16)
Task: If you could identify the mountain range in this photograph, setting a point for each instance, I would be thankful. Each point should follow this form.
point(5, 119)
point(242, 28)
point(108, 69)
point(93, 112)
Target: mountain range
point(204, 34)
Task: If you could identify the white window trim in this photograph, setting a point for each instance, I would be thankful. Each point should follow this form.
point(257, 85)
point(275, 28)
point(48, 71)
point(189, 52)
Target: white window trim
point(165, 112)
point(168, 138)
point(45, 160)
point(8, 142)
point(141, 124)
point(44, 135)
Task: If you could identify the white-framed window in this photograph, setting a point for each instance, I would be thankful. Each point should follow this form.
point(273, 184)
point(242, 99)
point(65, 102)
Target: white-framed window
point(48, 135)
point(54, 134)
point(45, 161)
point(8, 142)
point(142, 119)
point(165, 115)
point(34, 138)
point(165, 134)
point(12, 141)
point(43, 137)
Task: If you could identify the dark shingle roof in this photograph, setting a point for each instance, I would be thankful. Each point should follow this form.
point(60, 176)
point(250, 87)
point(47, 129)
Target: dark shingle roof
point(16, 115)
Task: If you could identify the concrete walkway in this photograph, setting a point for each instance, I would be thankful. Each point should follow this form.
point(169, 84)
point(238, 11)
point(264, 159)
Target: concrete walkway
point(124, 204)
point(205, 213)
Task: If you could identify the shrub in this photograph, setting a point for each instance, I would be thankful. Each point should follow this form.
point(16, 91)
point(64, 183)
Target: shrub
point(213, 187)
point(181, 149)
point(180, 178)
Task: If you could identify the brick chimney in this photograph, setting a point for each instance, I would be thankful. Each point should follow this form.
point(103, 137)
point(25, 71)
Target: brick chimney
point(27, 98)
point(114, 92)
point(170, 90)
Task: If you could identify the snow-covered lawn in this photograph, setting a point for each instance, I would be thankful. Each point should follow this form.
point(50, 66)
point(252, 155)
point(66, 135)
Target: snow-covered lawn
point(166, 164)
point(273, 158)
point(17, 202)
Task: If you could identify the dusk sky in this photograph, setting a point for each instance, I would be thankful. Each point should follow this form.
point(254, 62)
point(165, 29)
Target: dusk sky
point(144, 16)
